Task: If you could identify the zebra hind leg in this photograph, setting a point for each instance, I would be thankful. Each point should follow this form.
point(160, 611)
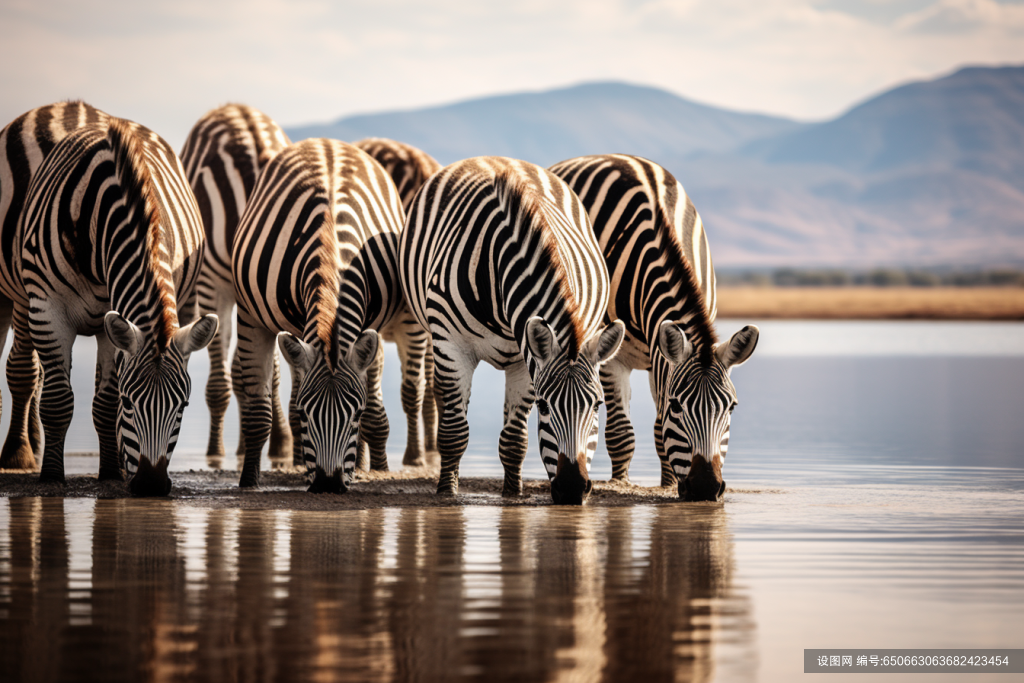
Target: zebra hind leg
point(431, 408)
point(514, 439)
point(218, 386)
point(374, 428)
point(412, 347)
point(104, 409)
point(618, 434)
point(22, 380)
point(453, 376)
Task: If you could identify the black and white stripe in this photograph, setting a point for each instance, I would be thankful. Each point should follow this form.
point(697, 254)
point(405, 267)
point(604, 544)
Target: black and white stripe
point(24, 143)
point(223, 155)
point(112, 243)
point(315, 257)
point(663, 289)
point(500, 264)
point(409, 168)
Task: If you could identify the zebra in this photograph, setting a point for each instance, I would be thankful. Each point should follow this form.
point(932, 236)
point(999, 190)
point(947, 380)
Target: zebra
point(223, 155)
point(409, 168)
point(24, 143)
point(499, 264)
point(111, 243)
point(663, 289)
point(315, 258)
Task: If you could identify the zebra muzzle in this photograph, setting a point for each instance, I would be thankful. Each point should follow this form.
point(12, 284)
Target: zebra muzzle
point(704, 481)
point(150, 479)
point(571, 484)
point(325, 483)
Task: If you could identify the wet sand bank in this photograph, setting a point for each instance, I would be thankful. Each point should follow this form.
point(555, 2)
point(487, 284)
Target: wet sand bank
point(285, 490)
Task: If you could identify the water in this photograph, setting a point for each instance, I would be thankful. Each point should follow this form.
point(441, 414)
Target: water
point(876, 501)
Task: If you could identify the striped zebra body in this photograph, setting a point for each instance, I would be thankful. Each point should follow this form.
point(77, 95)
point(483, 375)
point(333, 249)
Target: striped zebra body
point(111, 246)
point(409, 168)
point(315, 257)
point(24, 143)
point(663, 289)
point(499, 263)
point(223, 155)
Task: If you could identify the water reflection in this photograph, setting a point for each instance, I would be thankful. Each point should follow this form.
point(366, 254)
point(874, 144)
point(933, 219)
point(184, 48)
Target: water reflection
point(125, 589)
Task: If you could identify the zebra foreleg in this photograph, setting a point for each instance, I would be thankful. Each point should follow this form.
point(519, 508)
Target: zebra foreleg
point(453, 377)
point(104, 409)
point(431, 408)
point(256, 358)
point(374, 428)
point(412, 347)
point(22, 380)
point(668, 477)
point(281, 449)
point(57, 406)
point(618, 434)
point(515, 435)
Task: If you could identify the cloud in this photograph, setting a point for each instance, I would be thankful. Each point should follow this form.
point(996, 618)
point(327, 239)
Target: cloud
point(965, 17)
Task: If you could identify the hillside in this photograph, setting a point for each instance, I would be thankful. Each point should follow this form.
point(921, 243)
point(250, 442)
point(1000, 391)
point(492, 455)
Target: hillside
point(550, 126)
point(928, 173)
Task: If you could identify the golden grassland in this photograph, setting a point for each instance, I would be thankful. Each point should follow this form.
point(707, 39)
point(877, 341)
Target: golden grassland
point(866, 303)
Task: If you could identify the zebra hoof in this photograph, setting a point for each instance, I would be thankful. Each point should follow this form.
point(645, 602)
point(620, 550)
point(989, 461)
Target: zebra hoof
point(413, 461)
point(51, 478)
point(20, 457)
point(111, 475)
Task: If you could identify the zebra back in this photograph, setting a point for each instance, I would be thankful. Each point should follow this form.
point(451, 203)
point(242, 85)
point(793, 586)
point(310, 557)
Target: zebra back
point(508, 233)
point(223, 155)
point(316, 249)
point(653, 242)
point(24, 143)
point(127, 227)
point(408, 166)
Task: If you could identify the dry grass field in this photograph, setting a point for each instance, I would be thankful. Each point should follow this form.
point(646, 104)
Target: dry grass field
point(865, 303)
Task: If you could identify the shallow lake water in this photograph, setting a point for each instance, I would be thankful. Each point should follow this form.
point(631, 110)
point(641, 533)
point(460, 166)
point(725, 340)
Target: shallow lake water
point(876, 501)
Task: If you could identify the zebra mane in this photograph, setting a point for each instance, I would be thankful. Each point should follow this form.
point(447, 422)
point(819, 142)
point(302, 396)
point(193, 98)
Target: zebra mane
point(522, 199)
point(137, 185)
point(698, 326)
point(329, 275)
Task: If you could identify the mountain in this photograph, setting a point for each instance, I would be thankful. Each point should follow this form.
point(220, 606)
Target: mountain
point(547, 127)
point(928, 173)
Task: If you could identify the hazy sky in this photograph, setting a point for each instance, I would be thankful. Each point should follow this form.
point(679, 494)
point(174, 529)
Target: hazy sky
point(165, 63)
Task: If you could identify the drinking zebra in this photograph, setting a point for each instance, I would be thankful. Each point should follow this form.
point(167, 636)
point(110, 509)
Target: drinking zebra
point(410, 167)
point(24, 143)
point(663, 289)
point(223, 155)
point(500, 264)
point(112, 243)
point(315, 257)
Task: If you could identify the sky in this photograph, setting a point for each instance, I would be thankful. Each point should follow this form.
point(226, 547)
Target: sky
point(164, 63)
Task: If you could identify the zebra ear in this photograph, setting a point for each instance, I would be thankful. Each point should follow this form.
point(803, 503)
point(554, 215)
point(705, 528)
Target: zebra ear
point(540, 339)
point(603, 346)
point(196, 336)
point(739, 348)
point(363, 351)
point(122, 333)
point(673, 344)
point(297, 353)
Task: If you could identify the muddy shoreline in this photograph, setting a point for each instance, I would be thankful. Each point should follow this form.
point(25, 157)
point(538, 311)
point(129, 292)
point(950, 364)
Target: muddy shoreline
point(286, 490)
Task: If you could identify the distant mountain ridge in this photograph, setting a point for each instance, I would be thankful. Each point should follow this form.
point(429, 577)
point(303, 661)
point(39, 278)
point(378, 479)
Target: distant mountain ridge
point(927, 173)
point(547, 127)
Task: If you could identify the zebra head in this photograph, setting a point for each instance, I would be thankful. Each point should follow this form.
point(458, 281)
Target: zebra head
point(154, 387)
point(568, 393)
point(695, 407)
point(330, 402)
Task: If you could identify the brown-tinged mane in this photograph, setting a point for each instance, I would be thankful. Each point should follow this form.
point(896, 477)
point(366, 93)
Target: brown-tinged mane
point(524, 200)
point(141, 198)
point(328, 274)
point(699, 327)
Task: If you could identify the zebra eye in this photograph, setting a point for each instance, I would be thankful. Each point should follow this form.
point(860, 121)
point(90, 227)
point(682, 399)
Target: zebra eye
point(542, 407)
point(675, 406)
